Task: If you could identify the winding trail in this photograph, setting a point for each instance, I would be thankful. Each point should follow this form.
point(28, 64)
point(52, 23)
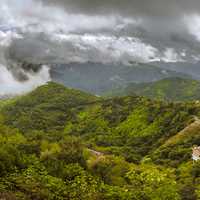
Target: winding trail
point(96, 153)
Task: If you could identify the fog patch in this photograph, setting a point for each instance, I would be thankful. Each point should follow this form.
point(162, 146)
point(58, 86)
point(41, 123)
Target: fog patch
point(9, 85)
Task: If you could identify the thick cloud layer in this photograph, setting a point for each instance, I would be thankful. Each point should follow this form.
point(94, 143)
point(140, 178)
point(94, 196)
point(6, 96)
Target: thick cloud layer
point(108, 31)
point(158, 17)
point(152, 8)
point(14, 17)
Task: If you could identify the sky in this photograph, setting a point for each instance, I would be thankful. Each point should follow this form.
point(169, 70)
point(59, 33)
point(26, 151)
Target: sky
point(106, 31)
point(130, 7)
point(173, 23)
point(172, 15)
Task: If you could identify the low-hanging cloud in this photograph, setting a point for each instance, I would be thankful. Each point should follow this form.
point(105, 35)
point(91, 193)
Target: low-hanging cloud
point(153, 8)
point(154, 22)
point(109, 31)
point(159, 18)
point(9, 85)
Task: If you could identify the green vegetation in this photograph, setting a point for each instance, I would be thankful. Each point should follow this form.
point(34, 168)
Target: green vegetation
point(170, 89)
point(59, 143)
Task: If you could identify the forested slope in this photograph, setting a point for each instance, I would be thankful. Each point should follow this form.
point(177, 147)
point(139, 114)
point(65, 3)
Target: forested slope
point(170, 89)
point(60, 143)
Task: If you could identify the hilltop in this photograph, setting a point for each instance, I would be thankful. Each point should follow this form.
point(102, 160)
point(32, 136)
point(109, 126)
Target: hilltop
point(61, 143)
point(170, 89)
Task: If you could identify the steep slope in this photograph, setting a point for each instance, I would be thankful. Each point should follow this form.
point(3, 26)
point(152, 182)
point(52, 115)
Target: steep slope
point(171, 89)
point(46, 108)
point(130, 126)
point(135, 124)
point(60, 143)
point(177, 149)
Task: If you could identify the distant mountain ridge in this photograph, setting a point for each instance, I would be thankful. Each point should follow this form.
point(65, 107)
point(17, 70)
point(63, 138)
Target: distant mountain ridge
point(171, 89)
point(191, 69)
point(99, 78)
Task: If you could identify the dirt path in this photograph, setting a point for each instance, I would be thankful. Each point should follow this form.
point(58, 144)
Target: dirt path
point(96, 153)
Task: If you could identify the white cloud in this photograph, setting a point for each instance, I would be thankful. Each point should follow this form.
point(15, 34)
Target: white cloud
point(75, 38)
point(170, 55)
point(192, 23)
point(7, 37)
point(24, 13)
point(10, 86)
point(105, 48)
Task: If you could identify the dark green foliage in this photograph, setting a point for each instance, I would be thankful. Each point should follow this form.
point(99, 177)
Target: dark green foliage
point(47, 108)
point(170, 89)
point(59, 143)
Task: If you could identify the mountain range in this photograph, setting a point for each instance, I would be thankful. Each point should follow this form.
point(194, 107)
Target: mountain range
point(169, 89)
point(61, 143)
point(99, 78)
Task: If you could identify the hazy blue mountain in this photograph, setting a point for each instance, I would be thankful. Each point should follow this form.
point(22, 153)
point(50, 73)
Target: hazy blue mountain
point(192, 69)
point(99, 78)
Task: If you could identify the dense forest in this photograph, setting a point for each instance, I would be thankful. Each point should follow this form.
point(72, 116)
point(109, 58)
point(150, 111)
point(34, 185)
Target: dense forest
point(63, 144)
point(168, 89)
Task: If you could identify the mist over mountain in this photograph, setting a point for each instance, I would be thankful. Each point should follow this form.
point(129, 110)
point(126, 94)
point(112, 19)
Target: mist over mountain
point(99, 99)
point(98, 78)
point(104, 33)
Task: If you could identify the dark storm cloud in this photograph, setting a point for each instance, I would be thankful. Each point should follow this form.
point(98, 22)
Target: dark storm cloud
point(159, 18)
point(153, 8)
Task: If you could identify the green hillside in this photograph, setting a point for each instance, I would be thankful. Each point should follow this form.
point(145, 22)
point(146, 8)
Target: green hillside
point(60, 143)
point(171, 89)
point(47, 108)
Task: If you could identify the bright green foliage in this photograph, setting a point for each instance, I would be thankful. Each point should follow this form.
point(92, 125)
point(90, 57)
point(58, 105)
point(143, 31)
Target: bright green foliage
point(63, 144)
point(47, 108)
point(151, 182)
point(171, 89)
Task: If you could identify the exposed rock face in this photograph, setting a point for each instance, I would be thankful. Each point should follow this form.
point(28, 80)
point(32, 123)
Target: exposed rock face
point(196, 153)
